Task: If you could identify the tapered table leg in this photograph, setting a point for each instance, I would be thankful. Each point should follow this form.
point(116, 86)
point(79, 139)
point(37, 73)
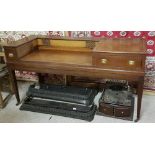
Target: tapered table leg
point(1, 98)
point(140, 94)
point(14, 85)
point(10, 85)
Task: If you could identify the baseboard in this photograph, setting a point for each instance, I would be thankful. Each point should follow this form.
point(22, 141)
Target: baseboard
point(149, 92)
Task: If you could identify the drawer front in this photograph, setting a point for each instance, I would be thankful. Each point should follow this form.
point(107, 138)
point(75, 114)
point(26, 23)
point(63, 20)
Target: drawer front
point(14, 53)
point(106, 109)
point(122, 111)
point(119, 61)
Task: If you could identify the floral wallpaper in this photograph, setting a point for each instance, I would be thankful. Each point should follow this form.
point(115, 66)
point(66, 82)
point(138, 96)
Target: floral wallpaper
point(149, 36)
point(6, 36)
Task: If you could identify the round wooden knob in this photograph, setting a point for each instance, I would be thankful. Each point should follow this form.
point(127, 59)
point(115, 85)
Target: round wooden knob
point(104, 61)
point(131, 62)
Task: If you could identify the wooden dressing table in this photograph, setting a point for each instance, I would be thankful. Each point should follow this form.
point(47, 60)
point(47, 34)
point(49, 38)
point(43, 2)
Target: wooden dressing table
point(122, 59)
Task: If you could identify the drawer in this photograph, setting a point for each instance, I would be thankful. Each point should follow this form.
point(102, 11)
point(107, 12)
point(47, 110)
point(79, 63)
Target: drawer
point(122, 111)
point(14, 53)
point(106, 109)
point(119, 61)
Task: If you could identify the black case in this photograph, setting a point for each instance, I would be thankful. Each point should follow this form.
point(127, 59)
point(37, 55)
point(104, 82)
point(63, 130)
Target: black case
point(58, 104)
point(34, 105)
point(68, 101)
point(83, 96)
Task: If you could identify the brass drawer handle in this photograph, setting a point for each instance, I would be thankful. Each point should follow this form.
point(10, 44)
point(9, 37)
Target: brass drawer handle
point(11, 55)
point(131, 62)
point(104, 61)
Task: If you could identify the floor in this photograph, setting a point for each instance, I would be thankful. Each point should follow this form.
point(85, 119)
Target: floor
point(12, 114)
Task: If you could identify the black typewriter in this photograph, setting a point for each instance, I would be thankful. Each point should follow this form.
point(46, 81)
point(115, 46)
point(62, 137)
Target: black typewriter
point(117, 100)
point(117, 93)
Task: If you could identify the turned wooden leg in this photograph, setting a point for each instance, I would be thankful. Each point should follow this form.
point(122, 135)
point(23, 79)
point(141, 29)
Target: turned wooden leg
point(40, 78)
point(68, 79)
point(14, 85)
point(140, 94)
